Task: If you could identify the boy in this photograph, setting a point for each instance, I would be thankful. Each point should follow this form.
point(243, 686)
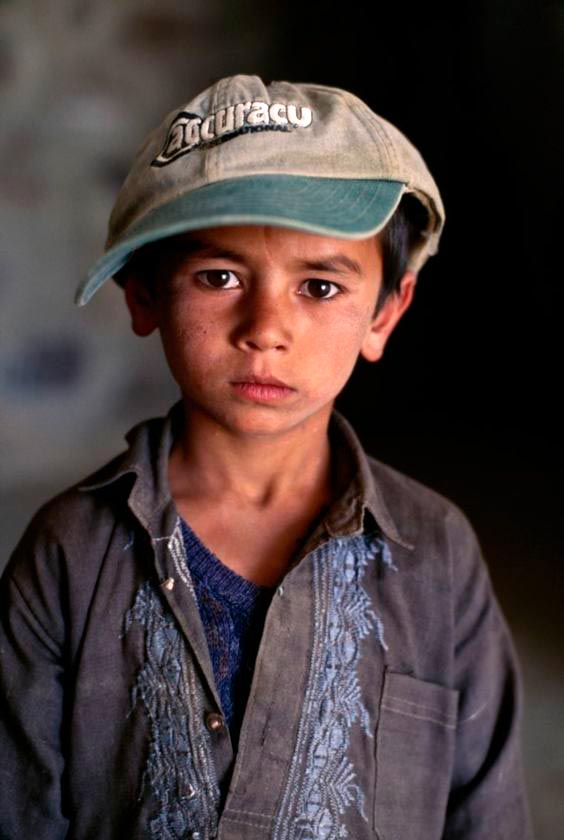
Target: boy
point(272, 234)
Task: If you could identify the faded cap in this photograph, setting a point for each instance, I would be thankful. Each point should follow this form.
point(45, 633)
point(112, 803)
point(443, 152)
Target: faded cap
point(302, 156)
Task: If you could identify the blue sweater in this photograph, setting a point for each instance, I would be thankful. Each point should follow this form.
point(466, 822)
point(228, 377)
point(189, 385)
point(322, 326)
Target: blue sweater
point(233, 610)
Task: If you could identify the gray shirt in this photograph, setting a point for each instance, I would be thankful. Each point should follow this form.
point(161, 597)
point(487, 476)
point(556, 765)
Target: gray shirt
point(386, 698)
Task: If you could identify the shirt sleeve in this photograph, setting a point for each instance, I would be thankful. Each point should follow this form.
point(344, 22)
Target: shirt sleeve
point(488, 797)
point(32, 677)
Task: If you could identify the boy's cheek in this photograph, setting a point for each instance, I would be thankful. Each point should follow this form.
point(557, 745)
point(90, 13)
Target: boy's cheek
point(343, 340)
point(185, 324)
point(349, 323)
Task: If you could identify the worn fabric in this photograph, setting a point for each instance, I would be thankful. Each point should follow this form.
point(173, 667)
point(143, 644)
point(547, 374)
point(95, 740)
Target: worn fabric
point(385, 703)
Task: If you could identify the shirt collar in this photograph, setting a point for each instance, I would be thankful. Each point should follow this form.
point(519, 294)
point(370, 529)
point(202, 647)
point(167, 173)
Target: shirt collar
point(147, 459)
point(363, 493)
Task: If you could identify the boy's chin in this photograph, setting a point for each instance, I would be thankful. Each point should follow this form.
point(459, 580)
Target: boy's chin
point(258, 421)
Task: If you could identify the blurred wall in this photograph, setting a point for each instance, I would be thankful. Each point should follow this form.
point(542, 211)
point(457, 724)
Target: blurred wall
point(467, 396)
point(81, 86)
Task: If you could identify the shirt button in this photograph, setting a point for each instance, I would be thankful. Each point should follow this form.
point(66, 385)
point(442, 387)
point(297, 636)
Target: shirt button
point(189, 791)
point(214, 722)
point(168, 584)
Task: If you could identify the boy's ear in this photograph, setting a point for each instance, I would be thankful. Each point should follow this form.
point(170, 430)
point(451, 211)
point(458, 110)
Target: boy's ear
point(141, 304)
point(387, 317)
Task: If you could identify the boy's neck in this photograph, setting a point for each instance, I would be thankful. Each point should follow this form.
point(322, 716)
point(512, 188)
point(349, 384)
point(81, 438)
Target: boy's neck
point(256, 471)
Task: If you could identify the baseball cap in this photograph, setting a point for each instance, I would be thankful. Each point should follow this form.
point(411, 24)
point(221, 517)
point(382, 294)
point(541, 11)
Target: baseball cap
point(304, 156)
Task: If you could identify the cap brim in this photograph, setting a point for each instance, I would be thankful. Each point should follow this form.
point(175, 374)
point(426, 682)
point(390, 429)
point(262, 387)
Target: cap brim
point(342, 208)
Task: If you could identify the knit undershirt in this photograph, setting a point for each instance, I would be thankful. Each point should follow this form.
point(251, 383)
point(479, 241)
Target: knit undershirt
point(233, 610)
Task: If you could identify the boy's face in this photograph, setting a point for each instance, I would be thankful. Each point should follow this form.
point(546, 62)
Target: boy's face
point(238, 306)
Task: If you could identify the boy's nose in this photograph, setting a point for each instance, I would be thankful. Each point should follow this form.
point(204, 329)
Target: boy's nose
point(264, 324)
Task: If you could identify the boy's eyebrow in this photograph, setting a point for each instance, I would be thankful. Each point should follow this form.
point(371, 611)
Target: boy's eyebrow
point(202, 247)
point(332, 262)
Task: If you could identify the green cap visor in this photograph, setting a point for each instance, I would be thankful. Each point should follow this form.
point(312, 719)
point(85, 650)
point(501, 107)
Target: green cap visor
point(338, 207)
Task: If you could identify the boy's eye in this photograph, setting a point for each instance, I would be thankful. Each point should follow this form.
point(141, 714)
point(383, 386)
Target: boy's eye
point(219, 278)
point(321, 289)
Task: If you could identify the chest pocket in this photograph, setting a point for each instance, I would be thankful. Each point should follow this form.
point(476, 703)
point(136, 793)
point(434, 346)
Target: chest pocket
point(414, 754)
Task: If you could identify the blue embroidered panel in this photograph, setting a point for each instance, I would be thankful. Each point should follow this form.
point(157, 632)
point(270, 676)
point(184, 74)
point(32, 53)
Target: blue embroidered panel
point(179, 770)
point(322, 780)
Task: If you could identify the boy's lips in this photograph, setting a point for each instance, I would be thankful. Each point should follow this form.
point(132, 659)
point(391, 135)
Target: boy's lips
point(262, 388)
point(261, 380)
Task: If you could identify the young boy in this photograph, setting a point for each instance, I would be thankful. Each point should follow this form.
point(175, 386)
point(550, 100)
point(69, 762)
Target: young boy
point(244, 626)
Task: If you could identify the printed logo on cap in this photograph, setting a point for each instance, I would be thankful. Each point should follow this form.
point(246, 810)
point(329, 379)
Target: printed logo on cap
point(188, 131)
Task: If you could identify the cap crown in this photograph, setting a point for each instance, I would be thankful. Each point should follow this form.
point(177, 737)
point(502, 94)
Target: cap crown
point(306, 156)
point(240, 127)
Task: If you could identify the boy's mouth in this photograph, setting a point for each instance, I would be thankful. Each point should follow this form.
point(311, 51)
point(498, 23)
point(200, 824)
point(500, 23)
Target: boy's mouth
point(262, 388)
point(261, 380)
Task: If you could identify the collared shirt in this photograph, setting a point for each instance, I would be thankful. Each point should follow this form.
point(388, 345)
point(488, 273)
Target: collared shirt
point(385, 702)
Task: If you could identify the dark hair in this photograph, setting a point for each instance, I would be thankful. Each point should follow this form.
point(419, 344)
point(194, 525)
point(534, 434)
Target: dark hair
point(397, 238)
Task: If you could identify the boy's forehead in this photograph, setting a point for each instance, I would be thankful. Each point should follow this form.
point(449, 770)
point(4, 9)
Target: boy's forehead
point(241, 242)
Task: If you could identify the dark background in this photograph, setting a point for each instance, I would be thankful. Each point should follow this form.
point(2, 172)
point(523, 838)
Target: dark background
point(467, 396)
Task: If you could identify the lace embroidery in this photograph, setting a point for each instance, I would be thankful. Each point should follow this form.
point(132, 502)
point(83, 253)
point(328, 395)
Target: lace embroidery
point(178, 554)
point(179, 769)
point(322, 781)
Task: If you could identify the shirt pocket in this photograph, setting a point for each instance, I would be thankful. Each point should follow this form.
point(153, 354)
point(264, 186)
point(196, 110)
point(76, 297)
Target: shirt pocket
point(415, 741)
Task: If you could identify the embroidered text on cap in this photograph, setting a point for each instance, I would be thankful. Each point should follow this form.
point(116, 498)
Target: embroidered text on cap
point(189, 131)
